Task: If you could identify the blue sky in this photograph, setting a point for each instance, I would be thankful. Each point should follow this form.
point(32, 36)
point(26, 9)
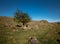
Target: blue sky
point(37, 9)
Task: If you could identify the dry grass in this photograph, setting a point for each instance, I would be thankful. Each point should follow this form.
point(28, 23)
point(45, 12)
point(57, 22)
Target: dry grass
point(47, 33)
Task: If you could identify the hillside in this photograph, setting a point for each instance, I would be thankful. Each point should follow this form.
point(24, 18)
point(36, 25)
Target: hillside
point(44, 31)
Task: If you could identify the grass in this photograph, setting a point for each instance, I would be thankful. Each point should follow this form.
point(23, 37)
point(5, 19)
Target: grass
point(46, 34)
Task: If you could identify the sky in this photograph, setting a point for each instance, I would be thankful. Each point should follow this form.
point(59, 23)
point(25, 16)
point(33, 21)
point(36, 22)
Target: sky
point(37, 9)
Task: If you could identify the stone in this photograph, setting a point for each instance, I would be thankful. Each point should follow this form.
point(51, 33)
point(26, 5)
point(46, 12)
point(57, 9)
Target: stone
point(33, 40)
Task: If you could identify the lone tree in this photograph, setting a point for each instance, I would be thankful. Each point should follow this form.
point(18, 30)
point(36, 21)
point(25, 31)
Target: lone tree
point(22, 17)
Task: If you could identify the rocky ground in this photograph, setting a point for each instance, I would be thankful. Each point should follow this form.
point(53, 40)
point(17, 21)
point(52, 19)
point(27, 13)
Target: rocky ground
point(44, 31)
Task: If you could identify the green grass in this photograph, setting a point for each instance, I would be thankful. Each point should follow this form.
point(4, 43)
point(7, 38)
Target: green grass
point(45, 35)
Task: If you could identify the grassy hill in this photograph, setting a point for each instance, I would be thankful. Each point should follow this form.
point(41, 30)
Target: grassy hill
point(45, 32)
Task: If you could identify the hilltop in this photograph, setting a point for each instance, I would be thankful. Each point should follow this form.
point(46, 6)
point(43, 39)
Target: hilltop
point(45, 32)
